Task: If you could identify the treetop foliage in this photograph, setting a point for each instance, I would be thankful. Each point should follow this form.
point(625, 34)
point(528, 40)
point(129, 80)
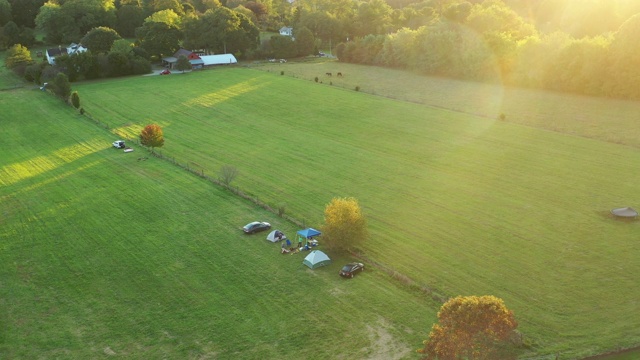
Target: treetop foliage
point(508, 41)
point(472, 327)
point(18, 55)
point(152, 136)
point(345, 225)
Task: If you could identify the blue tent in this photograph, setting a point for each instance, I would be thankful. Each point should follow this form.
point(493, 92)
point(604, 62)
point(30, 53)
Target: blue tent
point(309, 232)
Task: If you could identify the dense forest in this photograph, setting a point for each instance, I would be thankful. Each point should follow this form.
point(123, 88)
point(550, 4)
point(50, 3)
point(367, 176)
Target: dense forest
point(579, 46)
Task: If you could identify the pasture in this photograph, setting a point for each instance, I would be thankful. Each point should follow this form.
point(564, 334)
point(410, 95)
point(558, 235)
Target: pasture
point(598, 118)
point(111, 254)
point(458, 202)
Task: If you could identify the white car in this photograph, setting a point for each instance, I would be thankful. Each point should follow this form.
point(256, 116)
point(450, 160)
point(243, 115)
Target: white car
point(118, 144)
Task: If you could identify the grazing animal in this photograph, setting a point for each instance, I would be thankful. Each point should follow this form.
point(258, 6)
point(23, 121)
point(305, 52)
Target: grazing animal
point(339, 74)
point(328, 74)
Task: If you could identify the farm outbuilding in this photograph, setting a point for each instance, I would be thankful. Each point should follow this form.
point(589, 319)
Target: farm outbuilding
point(222, 59)
point(199, 60)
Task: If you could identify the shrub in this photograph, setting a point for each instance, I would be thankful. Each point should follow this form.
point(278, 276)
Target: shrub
point(227, 174)
point(75, 99)
point(282, 207)
point(61, 86)
point(281, 72)
point(316, 79)
point(357, 88)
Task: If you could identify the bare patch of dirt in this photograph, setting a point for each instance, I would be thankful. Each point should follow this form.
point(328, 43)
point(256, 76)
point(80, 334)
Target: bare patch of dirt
point(383, 345)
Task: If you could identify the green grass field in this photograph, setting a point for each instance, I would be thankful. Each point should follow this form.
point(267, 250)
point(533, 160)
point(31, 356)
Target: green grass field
point(104, 253)
point(460, 203)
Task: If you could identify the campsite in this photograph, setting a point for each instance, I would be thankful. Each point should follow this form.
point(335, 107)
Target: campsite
point(528, 228)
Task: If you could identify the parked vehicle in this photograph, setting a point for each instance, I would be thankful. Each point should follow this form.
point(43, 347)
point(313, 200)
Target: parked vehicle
point(165, 72)
point(256, 226)
point(351, 269)
point(118, 144)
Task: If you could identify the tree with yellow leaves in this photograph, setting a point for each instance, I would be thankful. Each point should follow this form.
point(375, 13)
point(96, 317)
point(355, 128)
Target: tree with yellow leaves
point(472, 328)
point(345, 225)
point(152, 136)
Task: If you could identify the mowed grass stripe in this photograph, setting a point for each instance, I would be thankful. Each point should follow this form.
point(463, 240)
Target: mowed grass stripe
point(102, 253)
point(462, 204)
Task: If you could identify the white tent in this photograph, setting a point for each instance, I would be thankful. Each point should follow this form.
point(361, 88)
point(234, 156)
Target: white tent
point(273, 236)
point(316, 258)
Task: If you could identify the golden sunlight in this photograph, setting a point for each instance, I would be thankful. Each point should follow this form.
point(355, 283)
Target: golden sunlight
point(211, 99)
point(14, 173)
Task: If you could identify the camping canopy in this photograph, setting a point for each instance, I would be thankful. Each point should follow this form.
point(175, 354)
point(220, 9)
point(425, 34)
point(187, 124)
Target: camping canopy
point(273, 236)
point(624, 212)
point(316, 258)
point(309, 232)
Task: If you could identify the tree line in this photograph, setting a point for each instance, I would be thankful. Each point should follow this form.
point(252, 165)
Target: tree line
point(490, 42)
point(562, 45)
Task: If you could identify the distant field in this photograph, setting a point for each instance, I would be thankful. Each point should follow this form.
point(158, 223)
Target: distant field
point(107, 254)
point(462, 204)
point(603, 119)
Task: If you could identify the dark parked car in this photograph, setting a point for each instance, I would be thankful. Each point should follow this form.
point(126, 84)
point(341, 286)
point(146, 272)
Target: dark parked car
point(256, 226)
point(165, 72)
point(351, 269)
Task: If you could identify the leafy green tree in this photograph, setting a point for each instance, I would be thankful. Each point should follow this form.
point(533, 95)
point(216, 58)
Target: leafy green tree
point(86, 64)
point(245, 38)
point(624, 57)
point(10, 34)
point(282, 46)
point(52, 22)
point(398, 49)
point(75, 99)
point(62, 86)
point(219, 24)
point(221, 30)
point(118, 64)
point(72, 18)
point(183, 63)
point(204, 5)
point(5, 12)
point(122, 46)
point(323, 25)
point(259, 9)
point(345, 226)
point(24, 11)
point(168, 17)
point(151, 136)
point(158, 38)
point(373, 18)
point(18, 55)
point(140, 65)
point(27, 36)
point(129, 17)
point(100, 39)
point(473, 328)
point(33, 72)
point(304, 41)
point(159, 5)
